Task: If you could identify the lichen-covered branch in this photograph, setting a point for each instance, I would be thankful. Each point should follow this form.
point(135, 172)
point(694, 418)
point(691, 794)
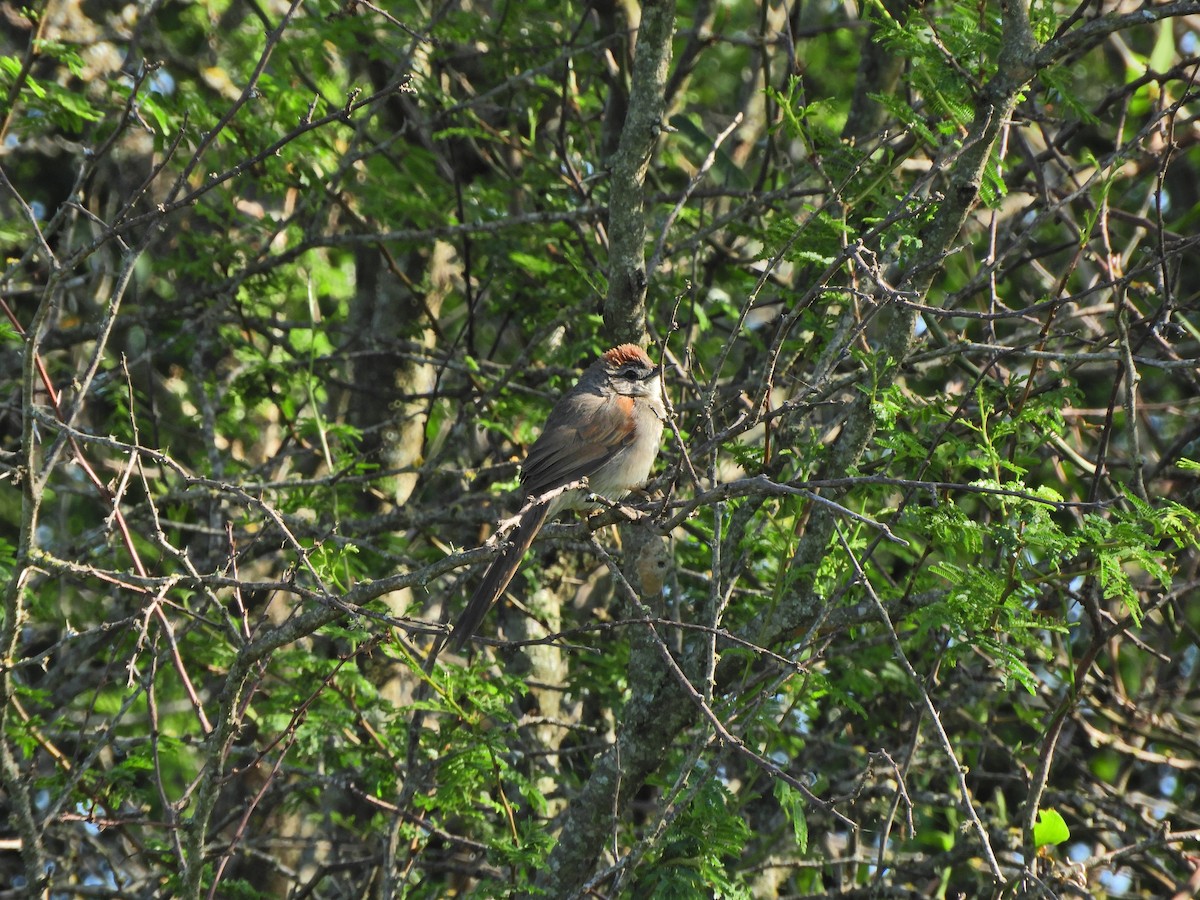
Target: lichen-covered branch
point(625, 305)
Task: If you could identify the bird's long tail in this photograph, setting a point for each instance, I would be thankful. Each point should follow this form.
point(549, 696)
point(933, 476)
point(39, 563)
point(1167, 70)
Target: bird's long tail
point(498, 575)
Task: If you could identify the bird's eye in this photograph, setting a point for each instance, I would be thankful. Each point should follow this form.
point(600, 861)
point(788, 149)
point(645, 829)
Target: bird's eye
point(631, 375)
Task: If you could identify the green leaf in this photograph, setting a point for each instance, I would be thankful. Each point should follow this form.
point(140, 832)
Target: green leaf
point(1116, 585)
point(792, 802)
point(1051, 828)
point(534, 265)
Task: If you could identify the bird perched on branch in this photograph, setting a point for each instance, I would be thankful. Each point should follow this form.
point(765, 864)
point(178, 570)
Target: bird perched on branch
point(600, 439)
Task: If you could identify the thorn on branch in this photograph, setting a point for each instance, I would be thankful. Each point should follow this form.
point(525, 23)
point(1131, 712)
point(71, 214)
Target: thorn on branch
point(306, 119)
point(351, 98)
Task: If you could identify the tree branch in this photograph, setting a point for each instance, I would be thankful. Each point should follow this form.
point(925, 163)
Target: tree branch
point(625, 305)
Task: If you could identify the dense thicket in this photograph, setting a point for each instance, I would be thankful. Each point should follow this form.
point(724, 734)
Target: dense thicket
point(910, 608)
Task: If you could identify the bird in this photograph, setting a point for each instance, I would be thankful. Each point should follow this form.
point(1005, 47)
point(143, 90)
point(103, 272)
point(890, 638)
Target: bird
point(607, 430)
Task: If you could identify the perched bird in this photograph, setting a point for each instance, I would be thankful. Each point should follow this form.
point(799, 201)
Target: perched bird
point(606, 429)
